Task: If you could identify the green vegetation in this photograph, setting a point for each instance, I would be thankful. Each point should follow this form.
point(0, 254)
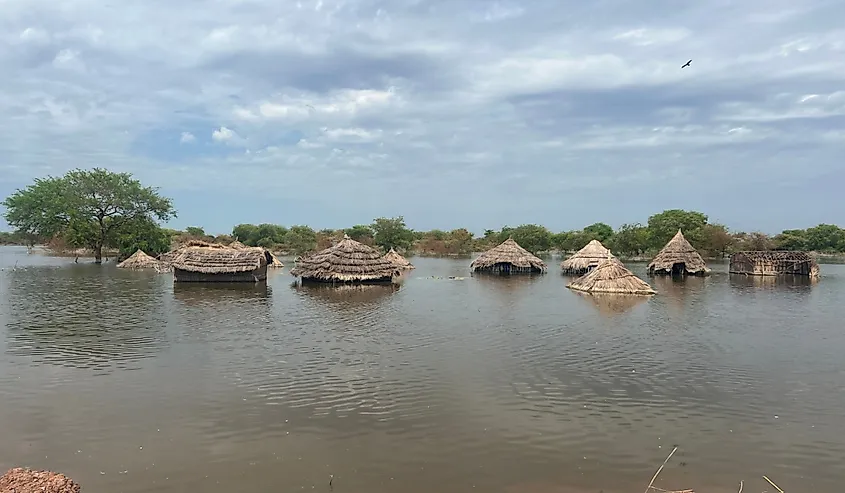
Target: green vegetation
point(99, 209)
point(92, 209)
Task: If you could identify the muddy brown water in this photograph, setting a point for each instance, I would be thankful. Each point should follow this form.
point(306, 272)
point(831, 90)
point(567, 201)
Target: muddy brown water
point(128, 383)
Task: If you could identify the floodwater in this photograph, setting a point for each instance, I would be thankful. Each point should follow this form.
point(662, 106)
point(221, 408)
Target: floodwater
point(129, 383)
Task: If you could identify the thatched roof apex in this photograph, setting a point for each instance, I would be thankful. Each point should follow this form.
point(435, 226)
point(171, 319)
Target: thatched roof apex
point(678, 250)
point(589, 256)
point(611, 276)
point(214, 260)
point(347, 261)
point(139, 260)
point(237, 245)
point(509, 252)
point(397, 259)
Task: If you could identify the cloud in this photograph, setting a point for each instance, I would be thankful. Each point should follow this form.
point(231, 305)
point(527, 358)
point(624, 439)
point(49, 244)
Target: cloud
point(459, 113)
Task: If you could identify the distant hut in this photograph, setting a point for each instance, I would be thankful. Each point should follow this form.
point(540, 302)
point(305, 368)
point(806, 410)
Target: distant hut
point(139, 261)
point(399, 260)
point(585, 259)
point(508, 258)
point(611, 276)
point(347, 262)
point(774, 263)
point(216, 264)
point(678, 257)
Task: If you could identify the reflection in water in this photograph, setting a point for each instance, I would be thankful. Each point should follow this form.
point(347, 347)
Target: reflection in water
point(799, 284)
point(613, 304)
point(213, 293)
point(85, 316)
point(346, 294)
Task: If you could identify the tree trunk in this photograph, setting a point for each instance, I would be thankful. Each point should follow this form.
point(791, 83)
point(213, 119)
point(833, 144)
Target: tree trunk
point(98, 254)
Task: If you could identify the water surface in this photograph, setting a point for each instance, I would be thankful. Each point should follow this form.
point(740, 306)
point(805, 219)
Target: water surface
point(127, 382)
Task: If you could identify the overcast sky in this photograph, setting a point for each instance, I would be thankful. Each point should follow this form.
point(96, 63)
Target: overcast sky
point(452, 113)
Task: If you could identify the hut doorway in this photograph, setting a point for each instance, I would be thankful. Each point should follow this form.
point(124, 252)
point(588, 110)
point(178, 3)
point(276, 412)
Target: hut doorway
point(679, 269)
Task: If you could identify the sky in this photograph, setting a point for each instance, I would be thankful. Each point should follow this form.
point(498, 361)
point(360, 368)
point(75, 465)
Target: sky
point(458, 113)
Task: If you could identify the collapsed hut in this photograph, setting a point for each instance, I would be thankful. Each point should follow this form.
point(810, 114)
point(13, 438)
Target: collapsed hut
point(774, 263)
point(399, 260)
point(508, 258)
point(611, 276)
point(175, 252)
point(585, 259)
point(220, 264)
point(678, 257)
point(140, 261)
point(347, 262)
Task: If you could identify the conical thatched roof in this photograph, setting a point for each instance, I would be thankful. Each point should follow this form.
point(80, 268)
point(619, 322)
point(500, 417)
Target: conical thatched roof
point(139, 260)
point(214, 260)
point(611, 276)
point(678, 251)
point(509, 253)
point(399, 260)
point(237, 245)
point(348, 261)
point(586, 258)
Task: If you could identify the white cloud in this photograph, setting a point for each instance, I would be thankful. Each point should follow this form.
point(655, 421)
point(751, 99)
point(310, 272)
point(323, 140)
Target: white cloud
point(400, 95)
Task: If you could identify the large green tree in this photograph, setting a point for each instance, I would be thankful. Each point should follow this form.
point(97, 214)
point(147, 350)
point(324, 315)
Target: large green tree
point(664, 225)
point(631, 239)
point(531, 237)
point(392, 233)
point(89, 208)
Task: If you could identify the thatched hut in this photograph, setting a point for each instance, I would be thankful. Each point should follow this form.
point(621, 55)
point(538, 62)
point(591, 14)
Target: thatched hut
point(585, 259)
point(20, 480)
point(214, 264)
point(140, 261)
point(399, 260)
point(678, 257)
point(175, 252)
point(347, 262)
point(508, 258)
point(774, 263)
point(611, 276)
point(274, 261)
point(237, 245)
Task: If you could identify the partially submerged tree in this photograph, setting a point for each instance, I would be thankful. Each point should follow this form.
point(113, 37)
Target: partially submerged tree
point(89, 208)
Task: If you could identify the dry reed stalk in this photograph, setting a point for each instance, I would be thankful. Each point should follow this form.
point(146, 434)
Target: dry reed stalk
point(660, 469)
point(773, 484)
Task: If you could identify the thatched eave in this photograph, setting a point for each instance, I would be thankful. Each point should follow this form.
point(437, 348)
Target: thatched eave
point(586, 258)
point(346, 262)
point(611, 276)
point(510, 253)
point(677, 254)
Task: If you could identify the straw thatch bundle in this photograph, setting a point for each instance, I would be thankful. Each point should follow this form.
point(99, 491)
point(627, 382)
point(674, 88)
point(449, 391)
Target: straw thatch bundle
point(611, 276)
point(138, 261)
point(20, 480)
point(237, 245)
point(346, 262)
point(172, 254)
point(399, 260)
point(678, 256)
point(585, 259)
point(506, 258)
point(214, 260)
point(274, 261)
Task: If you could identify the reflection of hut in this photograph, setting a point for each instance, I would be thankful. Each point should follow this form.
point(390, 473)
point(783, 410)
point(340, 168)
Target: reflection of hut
point(585, 259)
point(347, 262)
point(354, 294)
point(611, 276)
point(219, 293)
point(140, 261)
point(212, 264)
point(774, 264)
point(508, 258)
point(678, 257)
point(397, 259)
point(613, 304)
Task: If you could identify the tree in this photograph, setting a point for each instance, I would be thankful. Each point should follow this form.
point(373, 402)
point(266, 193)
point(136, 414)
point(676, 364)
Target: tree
point(716, 239)
point(195, 231)
point(359, 232)
point(246, 234)
point(392, 233)
point(143, 234)
point(90, 208)
point(663, 226)
point(531, 237)
point(825, 238)
point(631, 239)
point(301, 239)
point(599, 231)
point(460, 241)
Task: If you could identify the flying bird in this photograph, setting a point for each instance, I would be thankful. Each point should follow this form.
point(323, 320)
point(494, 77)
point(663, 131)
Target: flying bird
point(686, 64)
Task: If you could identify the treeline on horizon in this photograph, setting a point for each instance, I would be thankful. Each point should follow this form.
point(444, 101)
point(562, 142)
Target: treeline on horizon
point(632, 240)
point(98, 209)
